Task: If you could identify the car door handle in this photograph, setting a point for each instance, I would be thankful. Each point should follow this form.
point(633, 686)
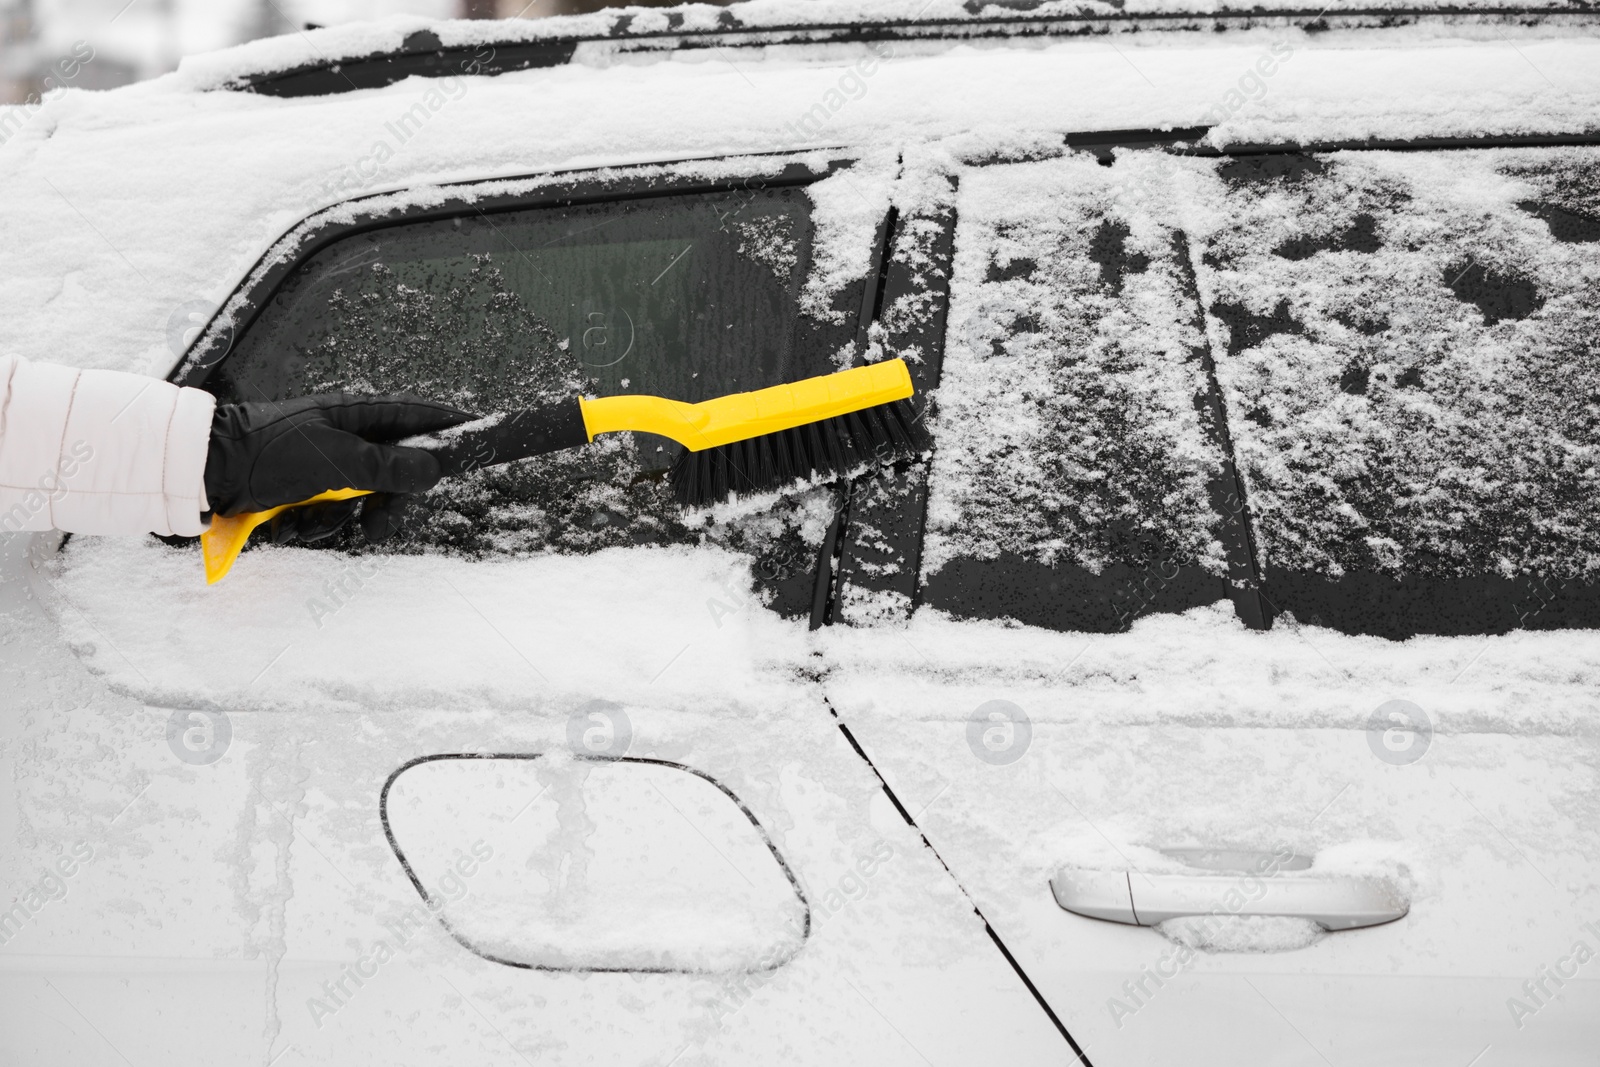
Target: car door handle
point(1333, 902)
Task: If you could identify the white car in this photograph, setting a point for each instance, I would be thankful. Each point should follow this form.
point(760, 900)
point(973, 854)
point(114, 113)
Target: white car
point(1222, 688)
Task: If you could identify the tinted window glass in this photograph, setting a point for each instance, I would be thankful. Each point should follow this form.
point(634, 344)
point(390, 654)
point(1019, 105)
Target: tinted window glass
point(1407, 342)
point(688, 297)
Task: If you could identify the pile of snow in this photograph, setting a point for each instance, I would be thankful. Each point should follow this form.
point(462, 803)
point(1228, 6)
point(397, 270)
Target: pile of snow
point(1204, 669)
point(537, 635)
point(1242, 933)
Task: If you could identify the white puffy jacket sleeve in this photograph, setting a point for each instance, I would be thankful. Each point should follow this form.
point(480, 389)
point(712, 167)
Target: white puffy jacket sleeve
point(100, 452)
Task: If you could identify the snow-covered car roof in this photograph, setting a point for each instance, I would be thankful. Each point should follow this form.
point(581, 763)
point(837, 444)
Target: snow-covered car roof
point(338, 59)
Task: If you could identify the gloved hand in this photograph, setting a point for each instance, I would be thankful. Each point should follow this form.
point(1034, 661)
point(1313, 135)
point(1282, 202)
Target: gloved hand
point(267, 453)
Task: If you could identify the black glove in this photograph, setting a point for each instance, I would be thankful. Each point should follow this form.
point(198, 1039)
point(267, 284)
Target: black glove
point(270, 453)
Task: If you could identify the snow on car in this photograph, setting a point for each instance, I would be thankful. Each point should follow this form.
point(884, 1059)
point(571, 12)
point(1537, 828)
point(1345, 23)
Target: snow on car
point(1221, 688)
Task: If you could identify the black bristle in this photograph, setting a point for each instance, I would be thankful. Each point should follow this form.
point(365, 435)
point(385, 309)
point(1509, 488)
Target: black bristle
point(837, 446)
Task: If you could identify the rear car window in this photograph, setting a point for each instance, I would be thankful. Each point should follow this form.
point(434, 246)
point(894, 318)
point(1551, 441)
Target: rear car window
point(1408, 347)
point(687, 296)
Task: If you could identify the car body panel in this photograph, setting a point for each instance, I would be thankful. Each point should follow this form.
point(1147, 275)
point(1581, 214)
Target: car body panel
point(256, 879)
point(1127, 748)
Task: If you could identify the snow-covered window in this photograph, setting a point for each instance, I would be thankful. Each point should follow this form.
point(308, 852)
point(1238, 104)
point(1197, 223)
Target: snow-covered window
point(686, 296)
point(1073, 477)
point(1409, 347)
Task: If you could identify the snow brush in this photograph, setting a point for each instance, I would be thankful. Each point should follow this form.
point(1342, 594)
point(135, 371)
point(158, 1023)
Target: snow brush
point(738, 444)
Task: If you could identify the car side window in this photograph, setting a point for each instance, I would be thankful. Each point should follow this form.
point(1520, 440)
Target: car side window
point(1072, 480)
point(687, 296)
point(1407, 344)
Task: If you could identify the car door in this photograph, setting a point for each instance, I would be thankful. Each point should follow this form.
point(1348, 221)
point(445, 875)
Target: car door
point(543, 778)
point(1244, 469)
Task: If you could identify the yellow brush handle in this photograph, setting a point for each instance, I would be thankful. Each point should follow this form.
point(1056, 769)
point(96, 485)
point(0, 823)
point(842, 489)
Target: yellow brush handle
point(745, 415)
point(695, 426)
point(223, 540)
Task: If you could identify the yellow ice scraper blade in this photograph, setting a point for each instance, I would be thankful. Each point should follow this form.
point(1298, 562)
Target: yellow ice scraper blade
point(755, 414)
point(223, 540)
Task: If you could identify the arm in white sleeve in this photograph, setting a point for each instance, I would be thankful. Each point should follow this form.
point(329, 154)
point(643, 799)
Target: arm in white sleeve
point(100, 452)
